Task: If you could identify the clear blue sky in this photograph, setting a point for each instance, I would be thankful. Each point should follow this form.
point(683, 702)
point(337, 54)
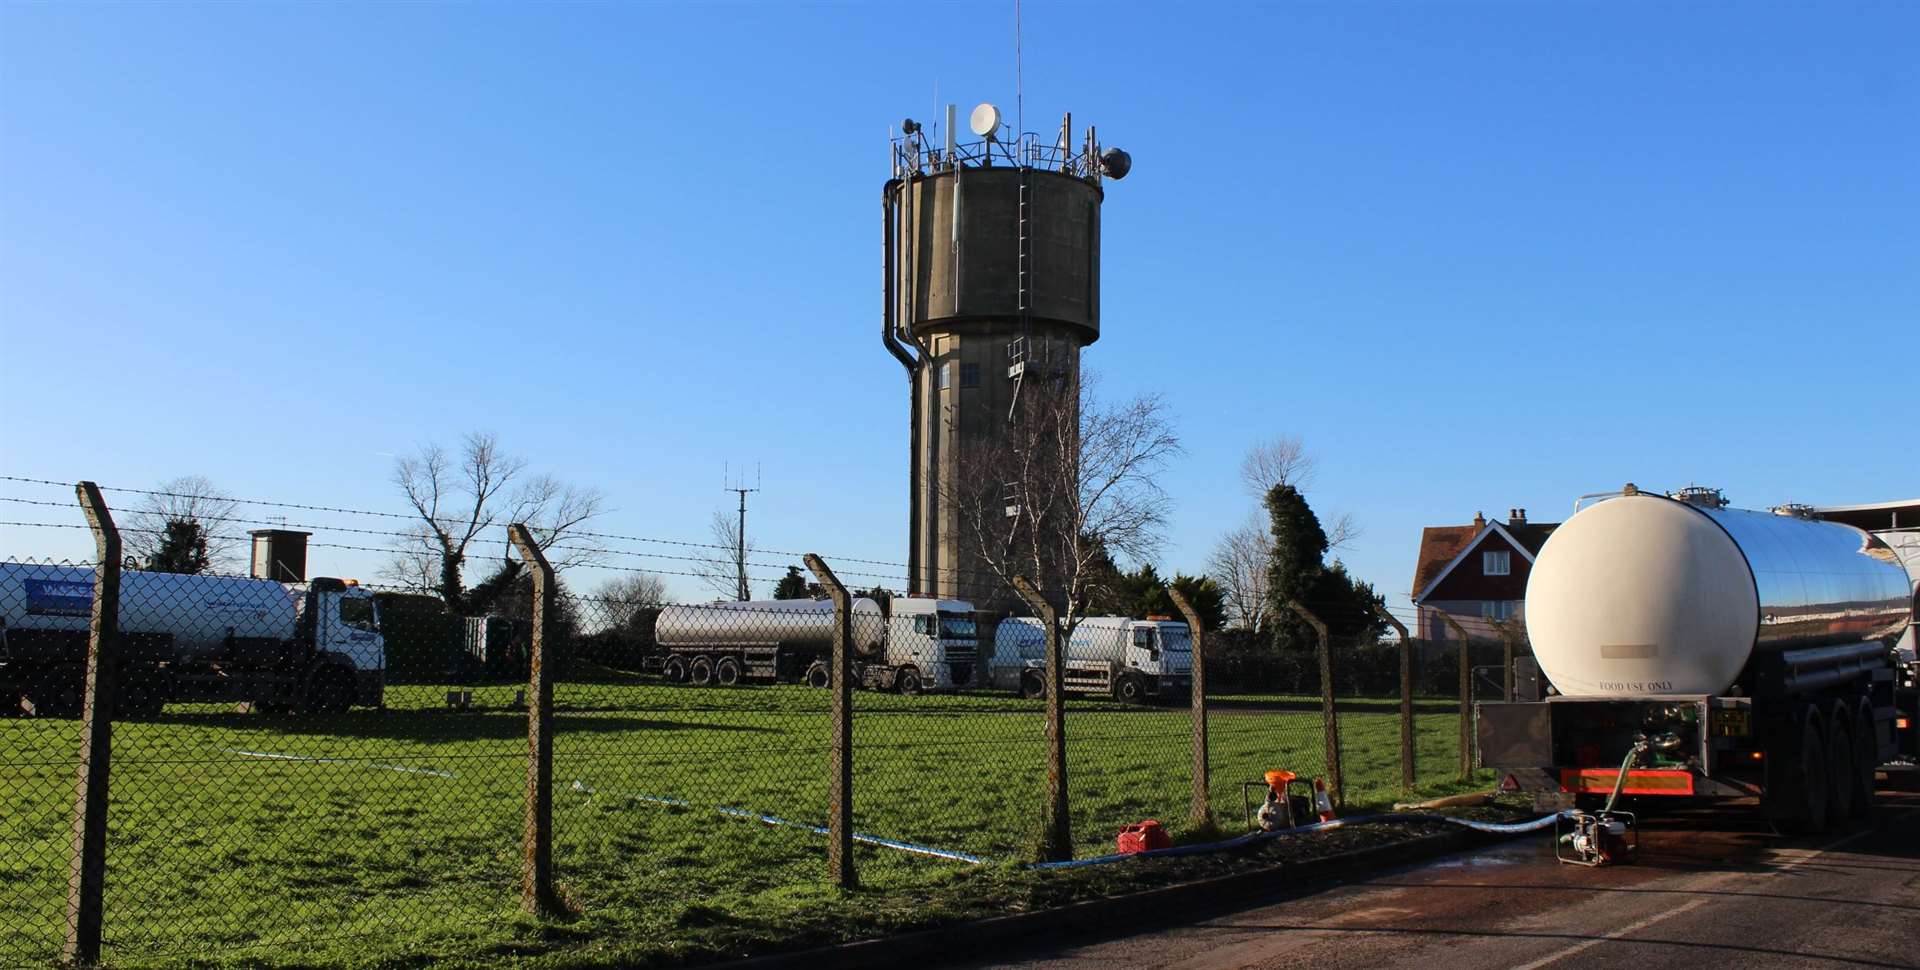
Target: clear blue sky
point(1477, 256)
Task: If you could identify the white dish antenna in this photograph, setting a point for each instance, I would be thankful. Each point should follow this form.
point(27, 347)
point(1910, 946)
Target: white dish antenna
point(985, 120)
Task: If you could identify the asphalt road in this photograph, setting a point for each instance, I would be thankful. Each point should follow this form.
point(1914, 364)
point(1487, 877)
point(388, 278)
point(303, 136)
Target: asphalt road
point(1708, 891)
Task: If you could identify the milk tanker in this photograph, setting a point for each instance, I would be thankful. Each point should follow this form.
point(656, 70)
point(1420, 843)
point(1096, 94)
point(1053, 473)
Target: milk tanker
point(312, 646)
point(916, 644)
point(1747, 654)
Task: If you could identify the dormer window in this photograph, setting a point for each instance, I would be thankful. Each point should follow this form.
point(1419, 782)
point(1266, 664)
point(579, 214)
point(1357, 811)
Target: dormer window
point(1497, 563)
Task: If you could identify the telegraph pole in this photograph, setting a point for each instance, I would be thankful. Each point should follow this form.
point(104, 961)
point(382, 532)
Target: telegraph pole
point(742, 593)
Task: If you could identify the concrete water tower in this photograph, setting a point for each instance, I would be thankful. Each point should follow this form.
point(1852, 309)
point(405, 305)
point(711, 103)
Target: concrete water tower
point(992, 286)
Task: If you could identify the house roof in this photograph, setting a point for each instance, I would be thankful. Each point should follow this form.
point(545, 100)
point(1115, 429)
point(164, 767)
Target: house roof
point(1444, 546)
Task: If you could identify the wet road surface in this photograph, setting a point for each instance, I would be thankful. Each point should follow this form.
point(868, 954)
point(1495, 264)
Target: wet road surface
point(1710, 890)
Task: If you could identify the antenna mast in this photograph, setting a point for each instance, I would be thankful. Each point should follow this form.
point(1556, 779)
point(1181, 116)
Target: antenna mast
point(741, 592)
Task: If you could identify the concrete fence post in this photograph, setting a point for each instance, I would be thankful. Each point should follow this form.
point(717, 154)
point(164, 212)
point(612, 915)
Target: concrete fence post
point(87, 868)
point(1406, 696)
point(1329, 718)
point(1466, 694)
point(840, 717)
point(1059, 826)
point(1201, 812)
point(536, 875)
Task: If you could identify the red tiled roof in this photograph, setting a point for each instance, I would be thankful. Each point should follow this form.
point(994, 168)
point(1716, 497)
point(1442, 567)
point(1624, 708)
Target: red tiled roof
point(1438, 545)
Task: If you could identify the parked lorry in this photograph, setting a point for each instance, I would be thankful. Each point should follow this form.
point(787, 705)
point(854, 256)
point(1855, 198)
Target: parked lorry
point(916, 644)
point(1128, 659)
point(1736, 654)
point(313, 646)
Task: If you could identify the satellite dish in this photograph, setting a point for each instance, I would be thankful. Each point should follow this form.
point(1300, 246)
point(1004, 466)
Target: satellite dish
point(985, 120)
point(1115, 164)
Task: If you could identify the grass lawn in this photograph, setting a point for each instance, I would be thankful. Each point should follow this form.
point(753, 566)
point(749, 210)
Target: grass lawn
point(393, 839)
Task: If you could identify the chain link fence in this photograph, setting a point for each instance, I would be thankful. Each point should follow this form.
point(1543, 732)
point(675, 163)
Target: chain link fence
point(327, 771)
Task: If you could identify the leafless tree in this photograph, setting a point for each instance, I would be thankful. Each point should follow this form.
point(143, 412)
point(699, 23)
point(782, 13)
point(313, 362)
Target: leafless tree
point(617, 601)
point(718, 568)
point(459, 497)
point(1280, 460)
point(1342, 531)
point(1073, 484)
point(1239, 563)
point(190, 498)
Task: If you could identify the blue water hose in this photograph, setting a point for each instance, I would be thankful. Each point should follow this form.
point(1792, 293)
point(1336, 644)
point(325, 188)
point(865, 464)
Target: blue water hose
point(1494, 828)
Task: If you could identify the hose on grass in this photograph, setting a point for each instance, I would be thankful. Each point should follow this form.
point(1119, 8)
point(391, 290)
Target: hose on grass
point(1206, 848)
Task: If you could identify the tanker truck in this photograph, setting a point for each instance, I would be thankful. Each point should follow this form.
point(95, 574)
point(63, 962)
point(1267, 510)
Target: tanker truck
point(1710, 653)
point(917, 644)
point(1127, 659)
point(312, 646)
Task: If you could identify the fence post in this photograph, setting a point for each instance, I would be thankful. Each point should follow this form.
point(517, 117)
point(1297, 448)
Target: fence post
point(1466, 694)
point(1059, 827)
point(1406, 696)
point(840, 716)
point(1329, 720)
point(536, 875)
point(87, 869)
point(1202, 812)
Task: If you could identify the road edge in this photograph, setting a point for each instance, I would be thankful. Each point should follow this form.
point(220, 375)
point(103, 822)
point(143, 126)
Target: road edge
point(1219, 892)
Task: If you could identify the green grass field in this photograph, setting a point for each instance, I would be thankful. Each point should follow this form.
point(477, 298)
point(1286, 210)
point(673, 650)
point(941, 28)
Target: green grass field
point(393, 839)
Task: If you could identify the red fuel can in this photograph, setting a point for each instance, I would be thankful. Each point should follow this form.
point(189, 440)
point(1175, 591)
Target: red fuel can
point(1143, 836)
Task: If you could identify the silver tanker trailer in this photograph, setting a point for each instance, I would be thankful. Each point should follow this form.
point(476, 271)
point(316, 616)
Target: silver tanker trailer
point(1738, 654)
point(312, 646)
point(918, 644)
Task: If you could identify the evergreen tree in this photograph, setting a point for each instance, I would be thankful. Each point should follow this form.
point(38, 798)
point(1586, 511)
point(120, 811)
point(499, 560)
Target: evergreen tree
point(794, 586)
point(182, 549)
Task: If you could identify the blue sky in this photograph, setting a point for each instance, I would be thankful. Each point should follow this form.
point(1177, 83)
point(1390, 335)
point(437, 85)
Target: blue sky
point(1478, 256)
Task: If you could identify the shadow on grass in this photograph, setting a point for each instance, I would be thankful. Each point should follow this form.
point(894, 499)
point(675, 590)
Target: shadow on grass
point(446, 725)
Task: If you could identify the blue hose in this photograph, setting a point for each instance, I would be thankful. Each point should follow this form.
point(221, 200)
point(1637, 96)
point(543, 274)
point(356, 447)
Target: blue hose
point(1497, 828)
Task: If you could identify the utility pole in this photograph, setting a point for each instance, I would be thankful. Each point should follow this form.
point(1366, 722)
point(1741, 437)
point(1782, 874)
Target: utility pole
point(742, 593)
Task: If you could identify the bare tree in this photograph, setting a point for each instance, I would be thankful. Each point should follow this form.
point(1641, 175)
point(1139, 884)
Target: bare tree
point(1280, 460)
point(459, 497)
point(1239, 563)
point(193, 499)
point(1342, 531)
point(1073, 484)
point(720, 567)
point(619, 600)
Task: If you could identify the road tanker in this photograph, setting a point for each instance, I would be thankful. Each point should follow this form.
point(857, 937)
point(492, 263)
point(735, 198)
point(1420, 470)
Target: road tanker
point(916, 644)
point(1127, 659)
point(309, 646)
point(1741, 654)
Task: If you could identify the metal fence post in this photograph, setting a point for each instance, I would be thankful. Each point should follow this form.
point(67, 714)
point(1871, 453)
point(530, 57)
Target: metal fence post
point(840, 750)
point(1059, 827)
point(1466, 695)
point(1329, 719)
point(1202, 811)
point(87, 870)
point(536, 875)
point(1406, 696)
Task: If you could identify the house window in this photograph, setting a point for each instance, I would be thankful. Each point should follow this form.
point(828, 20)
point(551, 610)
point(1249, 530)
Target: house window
point(969, 375)
point(1496, 563)
point(1497, 609)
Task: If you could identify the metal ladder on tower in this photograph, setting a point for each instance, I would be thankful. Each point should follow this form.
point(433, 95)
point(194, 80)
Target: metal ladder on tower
point(1017, 351)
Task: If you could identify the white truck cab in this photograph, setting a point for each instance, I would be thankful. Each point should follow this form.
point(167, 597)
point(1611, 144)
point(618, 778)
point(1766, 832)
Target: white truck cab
point(933, 641)
point(1128, 659)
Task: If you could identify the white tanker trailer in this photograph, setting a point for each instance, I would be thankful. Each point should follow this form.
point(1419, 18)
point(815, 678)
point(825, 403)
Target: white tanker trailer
point(311, 646)
point(917, 644)
point(1750, 653)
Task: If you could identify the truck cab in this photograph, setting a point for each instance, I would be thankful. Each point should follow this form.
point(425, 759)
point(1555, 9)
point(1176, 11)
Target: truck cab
point(346, 628)
point(932, 644)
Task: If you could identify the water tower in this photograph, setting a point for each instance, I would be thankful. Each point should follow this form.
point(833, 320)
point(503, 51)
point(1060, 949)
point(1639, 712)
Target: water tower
point(992, 289)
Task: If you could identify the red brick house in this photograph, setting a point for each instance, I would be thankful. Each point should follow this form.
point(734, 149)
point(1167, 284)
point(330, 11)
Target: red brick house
point(1476, 573)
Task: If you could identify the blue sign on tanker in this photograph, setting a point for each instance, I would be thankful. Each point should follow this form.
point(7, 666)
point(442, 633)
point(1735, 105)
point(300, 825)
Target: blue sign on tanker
point(59, 597)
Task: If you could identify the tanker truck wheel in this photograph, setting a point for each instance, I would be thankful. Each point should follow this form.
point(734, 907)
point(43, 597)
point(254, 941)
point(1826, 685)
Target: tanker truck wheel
point(329, 690)
point(56, 692)
point(1866, 757)
point(818, 676)
point(726, 672)
point(674, 669)
point(142, 693)
point(700, 672)
point(1840, 775)
point(1032, 687)
point(907, 680)
point(1129, 690)
point(1802, 803)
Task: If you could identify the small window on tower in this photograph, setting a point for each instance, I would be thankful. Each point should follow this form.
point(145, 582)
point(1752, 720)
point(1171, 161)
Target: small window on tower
point(1497, 563)
point(946, 375)
point(969, 375)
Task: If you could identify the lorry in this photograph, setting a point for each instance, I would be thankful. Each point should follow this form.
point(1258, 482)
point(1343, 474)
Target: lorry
point(1708, 653)
point(1127, 659)
point(912, 645)
point(311, 646)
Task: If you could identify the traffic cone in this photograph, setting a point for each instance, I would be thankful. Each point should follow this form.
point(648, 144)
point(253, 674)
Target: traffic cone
point(1322, 802)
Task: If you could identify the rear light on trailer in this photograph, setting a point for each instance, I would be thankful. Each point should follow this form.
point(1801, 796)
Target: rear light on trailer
point(1756, 756)
point(1902, 723)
